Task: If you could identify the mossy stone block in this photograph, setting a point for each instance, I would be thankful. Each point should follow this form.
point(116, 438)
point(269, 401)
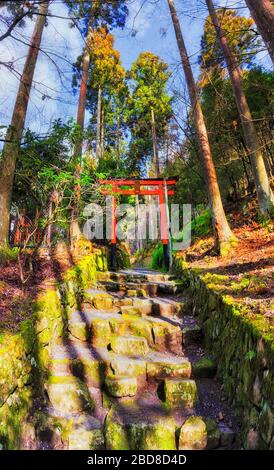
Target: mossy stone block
point(180, 392)
point(213, 433)
point(68, 394)
point(103, 301)
point(159, 435)
point(139, 434)
point(121, 386)
point(129, 345)
point(100, 332)
point(161, 370)
point(204, 368)
point(132, 293)
point(86, 436)
point(193, 435)
point(126, 368)
point(144, 306)
point(79, 329)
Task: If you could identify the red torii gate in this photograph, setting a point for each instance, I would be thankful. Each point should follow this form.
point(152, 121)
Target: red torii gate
point(162, 187)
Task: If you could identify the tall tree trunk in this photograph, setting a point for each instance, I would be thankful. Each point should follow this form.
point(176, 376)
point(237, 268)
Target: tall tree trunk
point(15, 131)
point(223, 234)
point(98, 130)
point(262, 12)
point(102, 136)
point(82, 101)
point(155, 144)
point(118, 137)
point(74, 229)
point(264, 192)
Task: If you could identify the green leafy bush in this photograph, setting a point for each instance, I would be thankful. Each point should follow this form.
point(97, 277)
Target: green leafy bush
point(201, 225)
point(157, 257)
point(8, 254)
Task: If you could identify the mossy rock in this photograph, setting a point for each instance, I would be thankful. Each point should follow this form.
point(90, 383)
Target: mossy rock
point(100, 332)
point(138, 433)
point(204, 368)
point(79, 330)
point(213, 433)
point(121, 386)
point(180, 392)
point(68, 394)
point(137, 326)
point(83, 433)
point(145, 306)
point(81, 438)
point(126, 368)
point(116, 433)
point(130, 310)
point(167, 336)
point(159, 435)
point(103, 301)
point(193, 434)
point(123, 302)
point(160, 370)
point(12, 416)
point(132, 293)
point(91, 370)
point(129, 345)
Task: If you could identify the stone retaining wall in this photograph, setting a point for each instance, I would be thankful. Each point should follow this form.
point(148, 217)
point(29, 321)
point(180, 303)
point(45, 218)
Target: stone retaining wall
point(242, 344)
point(24, 355)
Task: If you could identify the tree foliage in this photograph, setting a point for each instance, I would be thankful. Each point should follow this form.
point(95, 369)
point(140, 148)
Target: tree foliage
point(148, 80)
point(240, 34)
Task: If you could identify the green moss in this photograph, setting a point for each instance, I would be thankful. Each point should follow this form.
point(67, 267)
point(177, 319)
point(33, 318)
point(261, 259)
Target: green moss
point(204, 368)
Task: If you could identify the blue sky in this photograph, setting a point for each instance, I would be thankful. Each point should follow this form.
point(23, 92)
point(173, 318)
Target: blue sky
point(51, 95)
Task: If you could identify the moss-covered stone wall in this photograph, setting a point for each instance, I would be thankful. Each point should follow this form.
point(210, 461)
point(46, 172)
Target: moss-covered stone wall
point(24, 355)
point(242, 344)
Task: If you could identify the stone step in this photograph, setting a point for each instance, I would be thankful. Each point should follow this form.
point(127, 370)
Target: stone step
point(69, 394)
point(93, 365)
point(131, 427)
point(86, 433)
point(129, 345)
point(141, 426)
point(144, 274)
point(168, 367)
point(165, 307)
point(97, 327)
point(121, 386)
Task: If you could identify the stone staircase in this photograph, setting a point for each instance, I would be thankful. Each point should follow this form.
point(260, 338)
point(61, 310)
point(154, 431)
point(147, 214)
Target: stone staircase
point(132, 373)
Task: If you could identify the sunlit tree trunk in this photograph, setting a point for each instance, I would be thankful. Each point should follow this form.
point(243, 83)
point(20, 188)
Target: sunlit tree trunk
point(223, 234)
point(15, 131)
point(262, 12)
point(155, 144)
point(102, 137)
point(82, 101)
point(263, 188)
point(98, 125)
point(74, 229)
